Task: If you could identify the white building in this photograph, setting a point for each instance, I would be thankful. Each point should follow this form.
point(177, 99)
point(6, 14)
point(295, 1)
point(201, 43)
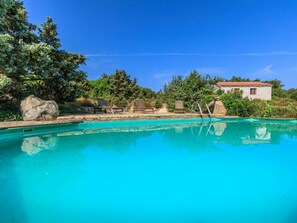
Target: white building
point(252, 90)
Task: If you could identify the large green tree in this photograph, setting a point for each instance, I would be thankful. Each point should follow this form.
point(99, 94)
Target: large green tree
point(118, 87)
point(191, 89)
point(32, 59)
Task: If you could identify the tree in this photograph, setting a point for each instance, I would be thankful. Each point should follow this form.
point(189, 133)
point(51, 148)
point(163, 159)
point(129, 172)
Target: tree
point(31, 57)
point(277, 86)
point(239, 79)
point(101, 88)
point(48, 33)
point(117, 87)
point(17, 41)
point(293, 93)
point(194, 87)
point(146, 93)
point(122, 87)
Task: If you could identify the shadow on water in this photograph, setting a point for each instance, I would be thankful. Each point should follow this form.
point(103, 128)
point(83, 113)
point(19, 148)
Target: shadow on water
point(11, 200)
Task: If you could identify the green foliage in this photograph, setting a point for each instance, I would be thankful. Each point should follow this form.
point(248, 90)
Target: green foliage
point(239, 79)
point(9, 109)
point(243, 107)
point(48, 33)
point(101, 87)
point(191, 89)
point(118, 88)
point(236, 105)
point(70, 108)
point(277, 88)
point(122, 87)
point(146, 93)
point(4, 82)
point(292, 93)
point(8, 115)
point(158, 103)
point(31, 57)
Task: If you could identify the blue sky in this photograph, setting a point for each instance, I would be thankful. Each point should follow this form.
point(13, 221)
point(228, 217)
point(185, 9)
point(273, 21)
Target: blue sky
point(156, 39)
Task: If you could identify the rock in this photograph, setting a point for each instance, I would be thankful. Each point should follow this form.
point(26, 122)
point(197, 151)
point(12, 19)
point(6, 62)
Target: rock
point(34, 108)
point(219, 108)
point(34, 145)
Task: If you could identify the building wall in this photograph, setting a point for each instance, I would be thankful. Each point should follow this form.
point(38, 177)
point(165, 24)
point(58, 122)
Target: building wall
point(263, 93)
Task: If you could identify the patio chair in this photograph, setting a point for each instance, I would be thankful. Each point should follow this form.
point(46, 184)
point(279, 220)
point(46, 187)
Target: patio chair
point(102, 106)
point(139, 106)
point(116, 109)
point(179, 107)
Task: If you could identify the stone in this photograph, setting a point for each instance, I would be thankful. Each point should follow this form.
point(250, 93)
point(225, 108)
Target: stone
point(219, 108)
point(34, 108)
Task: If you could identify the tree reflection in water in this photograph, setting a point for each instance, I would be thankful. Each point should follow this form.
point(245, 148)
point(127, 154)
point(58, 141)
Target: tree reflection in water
point(188, 136)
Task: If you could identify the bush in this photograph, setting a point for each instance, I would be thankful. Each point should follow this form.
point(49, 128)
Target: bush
point(85, 102)
point(238, 106)
point(70, 108)
point(10, 116)
point(158, 103)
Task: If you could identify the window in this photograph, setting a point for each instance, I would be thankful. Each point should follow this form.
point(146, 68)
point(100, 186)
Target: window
point(253, 91)
point(237, 90)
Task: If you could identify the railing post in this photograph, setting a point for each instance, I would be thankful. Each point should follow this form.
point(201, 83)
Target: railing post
point(209, 113)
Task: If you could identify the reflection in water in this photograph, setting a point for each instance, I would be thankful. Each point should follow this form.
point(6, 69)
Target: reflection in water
point(189, 136)
point(36, 144)
point(263, 134)
point(171, 172)
point(219, 128)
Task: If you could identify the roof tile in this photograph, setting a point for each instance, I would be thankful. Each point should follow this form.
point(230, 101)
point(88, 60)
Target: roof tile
point(244, 84)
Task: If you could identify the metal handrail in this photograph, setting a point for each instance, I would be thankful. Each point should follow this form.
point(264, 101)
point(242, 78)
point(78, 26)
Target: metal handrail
point(209, 113)
point(200, 110)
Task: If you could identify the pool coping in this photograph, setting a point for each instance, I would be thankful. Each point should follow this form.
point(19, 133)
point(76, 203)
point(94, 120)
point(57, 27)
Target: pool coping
point(68, 119)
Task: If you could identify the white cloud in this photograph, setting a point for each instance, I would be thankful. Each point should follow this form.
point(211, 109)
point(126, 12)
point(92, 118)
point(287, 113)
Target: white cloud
point(266, 71)
point(210, 70)
point(164, 76)
point(261, 54)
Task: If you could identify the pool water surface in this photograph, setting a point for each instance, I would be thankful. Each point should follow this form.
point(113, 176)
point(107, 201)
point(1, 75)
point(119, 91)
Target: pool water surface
point(196, 171)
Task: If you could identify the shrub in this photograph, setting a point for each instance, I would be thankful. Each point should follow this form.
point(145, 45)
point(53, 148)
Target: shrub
point(6, 115)
point(158, 103)
point(70, 108)
point(84, 102)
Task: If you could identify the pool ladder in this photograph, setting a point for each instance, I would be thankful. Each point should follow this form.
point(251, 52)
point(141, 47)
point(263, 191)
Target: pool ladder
point(200, 110)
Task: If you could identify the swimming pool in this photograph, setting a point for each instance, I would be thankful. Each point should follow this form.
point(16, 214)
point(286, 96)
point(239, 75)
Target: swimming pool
point(197, 170)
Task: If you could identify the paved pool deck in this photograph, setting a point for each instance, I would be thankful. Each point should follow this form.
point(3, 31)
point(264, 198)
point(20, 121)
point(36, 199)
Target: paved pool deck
point(105, 117)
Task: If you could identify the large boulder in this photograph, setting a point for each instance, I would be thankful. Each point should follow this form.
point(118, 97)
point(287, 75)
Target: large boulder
point(219, 108)
point(34, 108)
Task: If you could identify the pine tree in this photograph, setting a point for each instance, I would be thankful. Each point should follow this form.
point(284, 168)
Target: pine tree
point(33, 61)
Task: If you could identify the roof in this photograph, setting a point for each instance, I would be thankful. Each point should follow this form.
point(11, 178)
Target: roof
point(244, 84)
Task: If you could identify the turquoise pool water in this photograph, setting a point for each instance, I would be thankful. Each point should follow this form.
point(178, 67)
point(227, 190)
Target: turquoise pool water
point(192, 171)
